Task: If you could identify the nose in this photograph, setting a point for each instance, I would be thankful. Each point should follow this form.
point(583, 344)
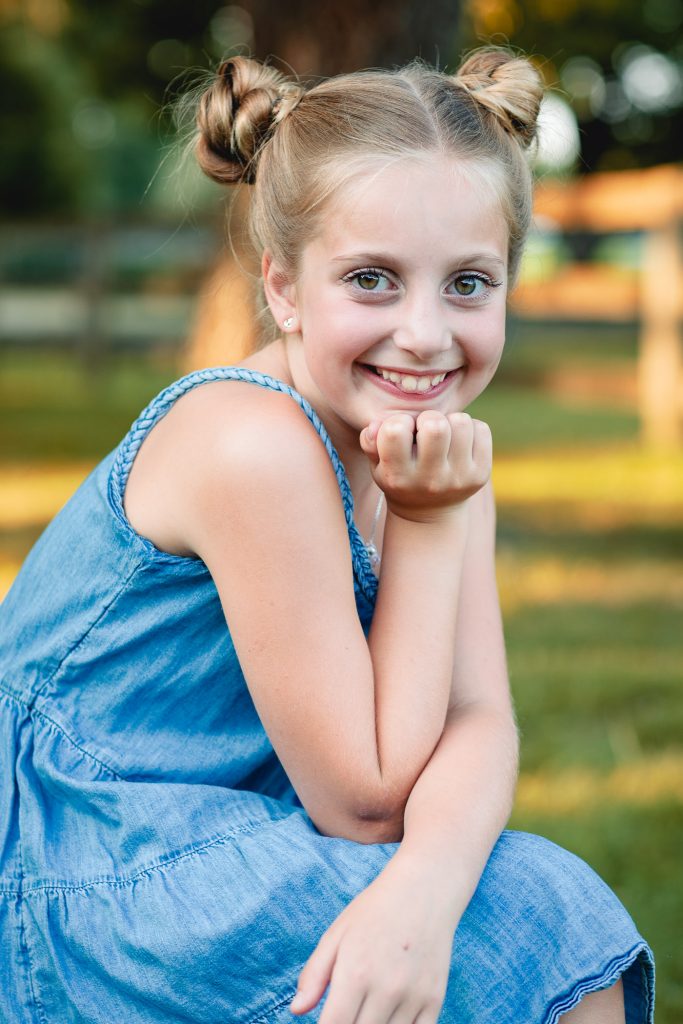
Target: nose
point(423, 327)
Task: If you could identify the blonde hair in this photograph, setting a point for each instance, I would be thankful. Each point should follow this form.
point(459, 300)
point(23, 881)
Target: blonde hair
point(297, 146)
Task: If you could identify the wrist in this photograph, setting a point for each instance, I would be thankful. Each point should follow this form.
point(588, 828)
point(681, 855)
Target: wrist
point(438, 517)
point(446, 890)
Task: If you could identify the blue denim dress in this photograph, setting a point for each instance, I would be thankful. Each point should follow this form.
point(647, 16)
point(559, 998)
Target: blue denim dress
point(156, 865)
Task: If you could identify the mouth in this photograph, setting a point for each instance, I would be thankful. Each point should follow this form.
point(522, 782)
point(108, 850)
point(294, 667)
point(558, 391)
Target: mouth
point(413, 383)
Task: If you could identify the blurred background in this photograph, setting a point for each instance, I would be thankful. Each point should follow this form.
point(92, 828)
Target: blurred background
point(116, 277)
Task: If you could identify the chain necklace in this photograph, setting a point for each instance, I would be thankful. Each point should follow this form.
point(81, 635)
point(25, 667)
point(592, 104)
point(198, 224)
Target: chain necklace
point(370, 547)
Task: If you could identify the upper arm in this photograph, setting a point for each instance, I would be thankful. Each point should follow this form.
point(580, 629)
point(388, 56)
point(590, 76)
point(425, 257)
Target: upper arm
point(480, 669)
point(263, 510)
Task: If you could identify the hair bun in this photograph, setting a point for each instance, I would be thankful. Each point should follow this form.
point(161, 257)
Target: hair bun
point(509, 87)
point(236, 114)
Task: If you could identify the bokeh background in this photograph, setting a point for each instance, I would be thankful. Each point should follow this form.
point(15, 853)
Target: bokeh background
point(116, 277)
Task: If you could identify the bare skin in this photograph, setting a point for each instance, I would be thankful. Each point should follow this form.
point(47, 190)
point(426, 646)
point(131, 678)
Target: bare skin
point(604, 1007)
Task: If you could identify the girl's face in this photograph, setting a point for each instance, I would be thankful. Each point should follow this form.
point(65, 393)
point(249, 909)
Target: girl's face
point(400, 299)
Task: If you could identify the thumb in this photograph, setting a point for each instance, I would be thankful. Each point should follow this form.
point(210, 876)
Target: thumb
point(368, 439)
point(316, 975)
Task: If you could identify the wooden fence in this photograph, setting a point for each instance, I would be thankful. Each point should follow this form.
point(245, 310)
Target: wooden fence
point(650, 201)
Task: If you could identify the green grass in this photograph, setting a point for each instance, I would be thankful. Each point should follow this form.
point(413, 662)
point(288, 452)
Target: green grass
point(547, 346)
point(521, 418)
point(585, 675)
point(52, 409)
point(612, 545)
point(597, 682)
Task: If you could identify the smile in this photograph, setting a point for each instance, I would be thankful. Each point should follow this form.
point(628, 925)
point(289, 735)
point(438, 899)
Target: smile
point(410, 383)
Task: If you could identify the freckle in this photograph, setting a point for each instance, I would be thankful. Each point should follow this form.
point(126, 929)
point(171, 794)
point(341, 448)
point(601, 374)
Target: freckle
point(406, 945)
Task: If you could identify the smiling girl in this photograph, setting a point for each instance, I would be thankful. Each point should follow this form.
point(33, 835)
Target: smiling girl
point(254, 695)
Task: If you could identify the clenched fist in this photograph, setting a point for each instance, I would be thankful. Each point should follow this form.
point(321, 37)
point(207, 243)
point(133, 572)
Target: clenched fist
point(427, 462)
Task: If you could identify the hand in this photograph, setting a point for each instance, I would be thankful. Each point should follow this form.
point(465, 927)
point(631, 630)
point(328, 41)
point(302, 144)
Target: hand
point(386, 957)
point(427, 462)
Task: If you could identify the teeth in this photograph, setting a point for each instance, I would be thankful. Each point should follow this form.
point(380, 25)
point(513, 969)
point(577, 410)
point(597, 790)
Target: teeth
point(409, 382)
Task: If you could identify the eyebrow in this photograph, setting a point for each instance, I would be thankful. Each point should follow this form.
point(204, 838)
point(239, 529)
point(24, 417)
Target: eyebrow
point(383, 258)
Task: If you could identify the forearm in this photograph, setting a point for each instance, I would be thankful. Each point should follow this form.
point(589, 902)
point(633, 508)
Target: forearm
point(461, 803)
point(411, 644)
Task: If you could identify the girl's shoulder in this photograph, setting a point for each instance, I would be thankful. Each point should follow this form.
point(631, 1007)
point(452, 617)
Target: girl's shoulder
point(253, 417)
point(250, 435)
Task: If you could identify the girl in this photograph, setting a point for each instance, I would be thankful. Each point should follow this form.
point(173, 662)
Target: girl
point(207, 817)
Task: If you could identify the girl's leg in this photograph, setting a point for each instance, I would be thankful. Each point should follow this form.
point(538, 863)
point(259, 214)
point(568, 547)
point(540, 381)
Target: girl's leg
point(603, 1007)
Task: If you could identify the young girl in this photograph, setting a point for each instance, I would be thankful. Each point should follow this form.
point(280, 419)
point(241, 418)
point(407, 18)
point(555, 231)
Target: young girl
point(254, 697)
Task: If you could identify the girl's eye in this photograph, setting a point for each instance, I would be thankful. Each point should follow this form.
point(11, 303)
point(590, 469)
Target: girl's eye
point(369, 280)
point(473, 286)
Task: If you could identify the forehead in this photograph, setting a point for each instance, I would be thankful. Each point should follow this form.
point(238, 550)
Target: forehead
point(427, 203)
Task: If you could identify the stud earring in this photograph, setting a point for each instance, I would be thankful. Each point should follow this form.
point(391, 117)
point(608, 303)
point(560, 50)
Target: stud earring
point(288, 322)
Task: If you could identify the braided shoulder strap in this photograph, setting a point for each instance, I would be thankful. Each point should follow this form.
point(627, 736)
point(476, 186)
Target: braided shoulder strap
point(129, 447)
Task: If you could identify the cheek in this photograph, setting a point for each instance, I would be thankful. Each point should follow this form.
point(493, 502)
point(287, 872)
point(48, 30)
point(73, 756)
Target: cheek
point(337, 335)
point(490, 338)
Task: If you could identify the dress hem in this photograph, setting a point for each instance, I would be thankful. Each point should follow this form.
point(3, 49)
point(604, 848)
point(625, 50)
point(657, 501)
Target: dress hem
point(609, 976)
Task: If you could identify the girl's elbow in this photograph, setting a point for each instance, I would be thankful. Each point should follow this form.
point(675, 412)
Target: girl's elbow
point(361, 829)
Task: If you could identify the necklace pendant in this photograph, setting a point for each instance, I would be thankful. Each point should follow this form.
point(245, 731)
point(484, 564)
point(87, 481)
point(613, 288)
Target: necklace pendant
point(373, 554)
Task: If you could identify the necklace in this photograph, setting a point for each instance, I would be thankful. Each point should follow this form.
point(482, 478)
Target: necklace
point(370, 547)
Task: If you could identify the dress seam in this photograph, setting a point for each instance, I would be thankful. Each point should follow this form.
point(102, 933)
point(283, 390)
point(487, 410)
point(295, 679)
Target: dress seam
point(38, 713)
point(119, 883)
point(266, 1016)
point(72, 650)
point(24, 945)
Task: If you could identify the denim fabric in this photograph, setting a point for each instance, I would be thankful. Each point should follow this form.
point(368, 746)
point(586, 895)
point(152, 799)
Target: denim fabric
point(156, 865)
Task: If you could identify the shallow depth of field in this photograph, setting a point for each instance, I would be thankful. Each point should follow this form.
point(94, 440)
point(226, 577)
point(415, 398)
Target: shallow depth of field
point(590, 571)
point(115, 279)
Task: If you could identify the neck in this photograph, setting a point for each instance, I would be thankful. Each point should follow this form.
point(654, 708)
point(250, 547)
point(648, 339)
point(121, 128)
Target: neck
point(279, 360)
point(274, 359)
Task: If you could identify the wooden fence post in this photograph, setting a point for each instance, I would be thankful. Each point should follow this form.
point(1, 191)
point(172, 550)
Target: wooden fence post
point(660, 362)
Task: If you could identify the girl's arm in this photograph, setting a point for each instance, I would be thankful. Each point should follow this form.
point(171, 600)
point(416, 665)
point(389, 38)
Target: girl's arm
point(354, 721)
point(463, 798)
point(391, 946)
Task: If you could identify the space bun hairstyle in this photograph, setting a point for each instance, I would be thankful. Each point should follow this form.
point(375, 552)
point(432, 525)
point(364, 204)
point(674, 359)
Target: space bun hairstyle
point(297, 147)
point(235, 116)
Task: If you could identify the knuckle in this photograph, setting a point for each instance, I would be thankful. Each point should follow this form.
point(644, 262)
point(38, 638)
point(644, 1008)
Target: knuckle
point(393, 480)
point(394, 991)
point(431, 417)
point(395, 428)
point(460, 418)
point(359, 976)
point(333, 1017)
point(436, 428)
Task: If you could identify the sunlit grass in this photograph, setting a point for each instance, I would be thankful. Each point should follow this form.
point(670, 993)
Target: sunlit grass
point(640, 783)
point(32, 493)
point(617, 477)
point(558, 579)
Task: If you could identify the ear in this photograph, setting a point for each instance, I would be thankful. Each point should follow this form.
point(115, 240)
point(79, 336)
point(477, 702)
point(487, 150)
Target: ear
point(280, 294)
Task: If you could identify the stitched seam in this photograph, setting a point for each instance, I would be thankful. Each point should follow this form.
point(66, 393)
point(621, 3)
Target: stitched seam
point(23, 942)
point(266, 1016)
point(37, 713)
point(611, 972)
point(72, 650)
point(120, 883)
